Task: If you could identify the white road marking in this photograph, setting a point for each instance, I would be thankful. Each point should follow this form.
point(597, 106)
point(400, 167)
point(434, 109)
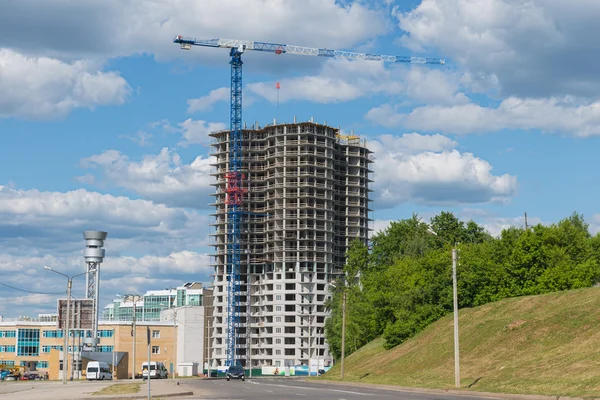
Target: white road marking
point(319, 388)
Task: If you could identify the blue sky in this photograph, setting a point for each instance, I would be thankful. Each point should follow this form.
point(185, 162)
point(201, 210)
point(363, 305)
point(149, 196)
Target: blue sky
point(105, 121)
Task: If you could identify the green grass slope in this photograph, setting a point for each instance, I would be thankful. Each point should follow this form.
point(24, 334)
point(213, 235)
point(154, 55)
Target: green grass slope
point(548, 344)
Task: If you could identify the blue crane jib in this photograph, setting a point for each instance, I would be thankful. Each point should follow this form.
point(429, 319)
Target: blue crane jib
point(244, 45)
point(235, 177)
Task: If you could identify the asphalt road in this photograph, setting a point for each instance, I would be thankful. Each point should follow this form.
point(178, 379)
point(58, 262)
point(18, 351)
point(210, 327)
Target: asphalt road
point(281, 388)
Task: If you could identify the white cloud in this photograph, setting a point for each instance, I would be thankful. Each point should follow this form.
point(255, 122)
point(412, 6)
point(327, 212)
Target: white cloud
point(41, 87)
point(402, 174)
point(197, 131)
point(385, 115)
point(35, 222)
point(205, 103)
point(119, 274)
point(564, 115)
point(342, 80)
point(140, 26)
point(162, 178)
point(531, 48)
point(163, 245)
point(411, 143)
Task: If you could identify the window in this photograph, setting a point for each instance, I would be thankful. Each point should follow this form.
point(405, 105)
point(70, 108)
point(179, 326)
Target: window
point(277, 341)
point(9, 348)
point(155, 349)
point(278, 287)
point(7, 334)
point(105, 349)
point(277, 319)
point(42, 364)
point(108, 333)
point(278, 297)
point(52, 334)
point(277, 330)
point(155, 334)
point(277, 308)
point(28, 342)
point(277, 352)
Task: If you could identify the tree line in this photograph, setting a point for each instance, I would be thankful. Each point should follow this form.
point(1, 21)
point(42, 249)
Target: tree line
point(403, 282)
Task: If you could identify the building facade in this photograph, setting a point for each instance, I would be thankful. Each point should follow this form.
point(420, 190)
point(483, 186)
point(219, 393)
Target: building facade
point(307, 198)
point(178, 336)
point(153, 302)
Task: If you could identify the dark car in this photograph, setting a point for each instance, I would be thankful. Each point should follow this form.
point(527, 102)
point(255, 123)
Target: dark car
point(236, 372)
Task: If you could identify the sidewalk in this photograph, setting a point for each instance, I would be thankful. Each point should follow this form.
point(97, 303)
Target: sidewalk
point(84, 390)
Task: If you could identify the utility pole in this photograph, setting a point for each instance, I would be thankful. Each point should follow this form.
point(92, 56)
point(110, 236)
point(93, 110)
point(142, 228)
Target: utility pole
point(114, 333)
point(343, 334)
point(455, 293)
point(134, 342)
point(66, 321)
point(309, 338)
point(149, 355)
point(174, 338)
point(73, 343)
point(66, 350)
point(209, 354)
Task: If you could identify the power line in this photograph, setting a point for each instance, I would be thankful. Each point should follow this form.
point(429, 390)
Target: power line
point(27, 291)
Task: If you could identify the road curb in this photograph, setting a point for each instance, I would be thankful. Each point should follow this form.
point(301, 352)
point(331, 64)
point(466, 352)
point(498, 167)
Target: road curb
point(453, 392)
point(140, 396)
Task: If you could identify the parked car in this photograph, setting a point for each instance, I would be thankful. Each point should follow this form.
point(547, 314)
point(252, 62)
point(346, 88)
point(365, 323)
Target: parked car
point(236, 372)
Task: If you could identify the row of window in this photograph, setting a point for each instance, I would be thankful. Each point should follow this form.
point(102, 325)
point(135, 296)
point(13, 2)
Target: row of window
point(8, 334)
point(38, 364)
point(52, 333)
point(9, 348)
point(47, 348)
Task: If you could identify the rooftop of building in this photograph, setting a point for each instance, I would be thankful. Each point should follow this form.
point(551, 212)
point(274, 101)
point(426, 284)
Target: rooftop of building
point(343, 139)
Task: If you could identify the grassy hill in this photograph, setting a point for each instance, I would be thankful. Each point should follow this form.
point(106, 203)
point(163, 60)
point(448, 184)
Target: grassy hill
point(547, 344)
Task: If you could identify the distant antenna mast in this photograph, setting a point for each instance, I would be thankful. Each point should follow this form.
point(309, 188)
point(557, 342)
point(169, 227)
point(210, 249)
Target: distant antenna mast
point(525, 221)
point(277, 86)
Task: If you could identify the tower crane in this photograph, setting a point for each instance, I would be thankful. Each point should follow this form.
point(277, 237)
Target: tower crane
point(235, 178)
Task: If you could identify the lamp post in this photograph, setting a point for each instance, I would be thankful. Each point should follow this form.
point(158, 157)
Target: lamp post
point(134, 298)
point(455, 311)
point(174, 338)
point(66, 319)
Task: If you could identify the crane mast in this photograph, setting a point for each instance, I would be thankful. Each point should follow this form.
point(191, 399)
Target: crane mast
point(235, 177)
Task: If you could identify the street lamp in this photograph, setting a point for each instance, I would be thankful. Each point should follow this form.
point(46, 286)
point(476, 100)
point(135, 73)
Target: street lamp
point(455, 307)
point(66, 328)
point(173, 356)
point(134, 298)
point(343, 329)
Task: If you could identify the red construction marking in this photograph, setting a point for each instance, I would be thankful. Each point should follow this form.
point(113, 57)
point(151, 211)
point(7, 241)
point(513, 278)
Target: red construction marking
point(235, 190)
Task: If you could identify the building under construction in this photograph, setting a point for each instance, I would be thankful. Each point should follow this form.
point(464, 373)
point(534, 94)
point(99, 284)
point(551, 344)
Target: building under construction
point(306, 198)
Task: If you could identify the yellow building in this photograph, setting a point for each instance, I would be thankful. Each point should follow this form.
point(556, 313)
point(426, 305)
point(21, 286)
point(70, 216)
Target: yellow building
point(38, 343)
